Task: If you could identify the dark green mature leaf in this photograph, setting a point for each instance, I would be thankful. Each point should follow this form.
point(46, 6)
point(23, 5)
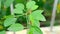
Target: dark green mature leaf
point(9, 21)
point(21, 1)
point(15, 27)
point(37, 15)
point(19, 8)
point(31, 5)
point(8, 3)
point(35, 30)
point(2, 32)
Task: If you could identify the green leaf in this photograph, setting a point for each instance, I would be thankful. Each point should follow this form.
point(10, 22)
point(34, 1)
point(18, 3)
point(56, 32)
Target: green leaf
point(0, 4)
point(31, 5)
point(39, 11)
point(37, 15)
point(36, 23)
point(2, 32)
point(30, 31)
point(19, 8)
point(9, 21)
point(16, 27)
point(35, 30)
point(18, 11)
point(8, 3)
point(9, 16)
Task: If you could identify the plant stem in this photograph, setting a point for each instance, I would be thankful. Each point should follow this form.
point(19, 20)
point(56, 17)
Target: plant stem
point(11, 9)
point(26, 14)
point(27, 17)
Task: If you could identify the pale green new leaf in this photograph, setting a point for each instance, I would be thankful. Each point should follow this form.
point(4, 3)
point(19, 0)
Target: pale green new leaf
point(19, 8)
point(37, 15)
point(16, 27)
point(9, 21)
point(18, 11)
point(7, 3)
point(34, 7)
point(31, 5)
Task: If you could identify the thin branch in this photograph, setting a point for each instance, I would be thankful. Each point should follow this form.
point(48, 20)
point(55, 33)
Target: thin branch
point(53, 15)
point(11, 9)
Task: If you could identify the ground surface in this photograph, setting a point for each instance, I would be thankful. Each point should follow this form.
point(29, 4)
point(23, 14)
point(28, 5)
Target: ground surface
point(46, 30)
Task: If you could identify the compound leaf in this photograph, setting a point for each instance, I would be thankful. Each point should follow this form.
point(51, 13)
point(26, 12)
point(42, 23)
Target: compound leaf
point(37, 15)
point(31, 5)
point(19, 8)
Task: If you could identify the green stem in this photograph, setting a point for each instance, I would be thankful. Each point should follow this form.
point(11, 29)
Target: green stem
point(27, 20)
